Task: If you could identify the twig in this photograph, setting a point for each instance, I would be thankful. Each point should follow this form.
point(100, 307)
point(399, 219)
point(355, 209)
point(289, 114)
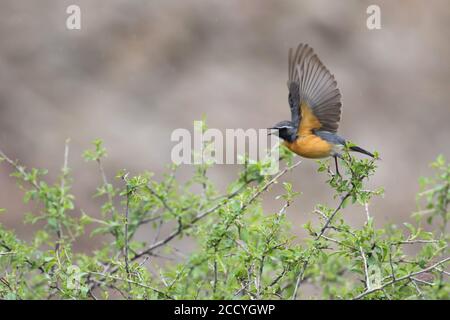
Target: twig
point(422, 281)
point(272, 181)
point(299, 279)
point(160, 198)
point(391, 264)
point(215, 275)
point(408, 276)
point(278, 278)
point(66, 163)
point(132, 282)
point(366, 207)
point(127, 211)
point(104, 179)
point(284, 208)
point(325, 226)
point(259, 277)
point(366, 268)
point(19, 168)
point(158, 231)
point(62, 191)
point(443, 271)
point(419, 292)
point(339, 243)
point(416, 241)
point(7, 253)
point(144, 221)
point(6, 283)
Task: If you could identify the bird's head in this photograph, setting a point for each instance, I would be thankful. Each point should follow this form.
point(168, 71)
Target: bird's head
point(286, 130)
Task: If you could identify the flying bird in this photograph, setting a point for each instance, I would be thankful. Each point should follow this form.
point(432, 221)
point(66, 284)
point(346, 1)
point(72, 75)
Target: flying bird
point(315, 103)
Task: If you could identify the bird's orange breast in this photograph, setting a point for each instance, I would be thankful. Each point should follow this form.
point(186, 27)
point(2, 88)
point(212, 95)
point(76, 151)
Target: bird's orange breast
point(310, 146)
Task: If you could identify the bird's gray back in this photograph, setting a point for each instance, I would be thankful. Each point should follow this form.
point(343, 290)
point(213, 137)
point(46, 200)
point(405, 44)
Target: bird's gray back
point(330, 137)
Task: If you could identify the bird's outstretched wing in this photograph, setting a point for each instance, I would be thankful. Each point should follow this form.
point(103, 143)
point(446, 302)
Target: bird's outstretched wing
point(314, 98)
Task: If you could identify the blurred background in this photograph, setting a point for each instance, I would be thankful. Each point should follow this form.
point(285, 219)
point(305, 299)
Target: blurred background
point(137, 70)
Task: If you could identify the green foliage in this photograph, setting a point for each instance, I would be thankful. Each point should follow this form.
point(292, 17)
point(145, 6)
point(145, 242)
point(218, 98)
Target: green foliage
point(239, 251)
point(434, 193)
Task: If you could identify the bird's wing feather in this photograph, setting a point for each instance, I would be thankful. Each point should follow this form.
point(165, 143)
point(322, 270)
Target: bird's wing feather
point(317, 103)
point(294, 82)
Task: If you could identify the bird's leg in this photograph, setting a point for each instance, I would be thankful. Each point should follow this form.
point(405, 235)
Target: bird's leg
point(337, 167)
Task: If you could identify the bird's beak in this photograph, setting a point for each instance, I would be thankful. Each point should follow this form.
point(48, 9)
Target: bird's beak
point(270, 132)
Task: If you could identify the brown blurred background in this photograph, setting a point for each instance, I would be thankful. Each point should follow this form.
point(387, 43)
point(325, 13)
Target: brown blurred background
point(137, 70)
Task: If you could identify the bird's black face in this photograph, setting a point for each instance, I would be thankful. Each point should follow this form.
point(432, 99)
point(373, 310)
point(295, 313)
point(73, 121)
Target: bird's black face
point(286, 130)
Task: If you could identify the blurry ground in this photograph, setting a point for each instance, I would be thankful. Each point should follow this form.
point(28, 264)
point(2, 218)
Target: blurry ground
point(140, 69)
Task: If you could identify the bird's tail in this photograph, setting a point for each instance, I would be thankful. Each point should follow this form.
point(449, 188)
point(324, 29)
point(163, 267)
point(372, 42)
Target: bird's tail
point(361, 150)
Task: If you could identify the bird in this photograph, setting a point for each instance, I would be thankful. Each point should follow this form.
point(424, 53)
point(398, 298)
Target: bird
point(315, 104)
